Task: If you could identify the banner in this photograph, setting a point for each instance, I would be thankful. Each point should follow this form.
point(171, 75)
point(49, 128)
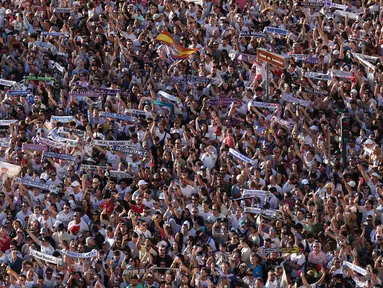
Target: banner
point(284, 279)
point(260, 211)
point(118, 116)
point(46, 257)
point(197, 2)
point(54, 34)
point(243, 57)
point(336, 5)
point(90, 254)
point(255, 193)
point(282, 122)
point(318, 76)
point(305, 58)
point(109, 143)
point(288, 250)
point(311, 60)
point(164, 105)
point(7, 82)
point(110, 91)
point(81, 93)
point(59, 68)
point(43, 79)
point(5, 142)
point(299, 57)
point(17, 92)
point(197, 80)
point(366, 63)
point(92, 167)
point(252, 34)
point(8, 122)
point(273, 106)
point(62, 10)
point(310, 4)
point(296, 100)
point(44, 46)
point(66, 157)
point(169, 97)
point(34, 147)
point(119, 174)
point(349, 15)
point(65, 55)
point(31, 183)
point(240, 156)
point(139, 113)
point(74, 131)
point(176, 50)
point(62, 119)
point(10, 169)
point(223, 101)
point(50, 143)
point(356, 268)
point(277, 31)
point(341, 74)
point(314, 91)
point(68, 141)
point(128, 150)
point(366, 57)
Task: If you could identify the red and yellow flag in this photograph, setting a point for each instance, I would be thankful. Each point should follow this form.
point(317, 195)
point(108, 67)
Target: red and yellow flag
point(176, 50)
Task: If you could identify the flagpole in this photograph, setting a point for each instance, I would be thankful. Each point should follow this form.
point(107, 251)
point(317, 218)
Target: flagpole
point(267, 81)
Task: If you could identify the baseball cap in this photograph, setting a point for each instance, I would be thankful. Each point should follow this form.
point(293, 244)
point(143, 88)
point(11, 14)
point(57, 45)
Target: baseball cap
point(44, 230)
point(142, 182)
point(305, 182)
point(75, 184)
point(351, 183)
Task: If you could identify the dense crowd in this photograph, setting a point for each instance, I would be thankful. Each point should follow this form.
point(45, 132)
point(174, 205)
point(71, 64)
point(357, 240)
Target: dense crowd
point(145, 144)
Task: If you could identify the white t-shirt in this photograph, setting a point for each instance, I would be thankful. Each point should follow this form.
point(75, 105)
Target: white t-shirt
point(36, 200)
point(78, 197)
point(47, 223)
point(65, 218)
point(187, 191)
point(112, 159)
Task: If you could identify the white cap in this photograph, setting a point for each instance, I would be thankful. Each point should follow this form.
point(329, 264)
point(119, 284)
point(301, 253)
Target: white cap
point(375, 174)
point(162, 243)
point(8, 11)
point(75, 184)
point(142, 182)
point(156, 16)
point(57, 223)
point(72, 204)
point(314, 128)
point(162, 196)
point(44, 176)
point(187, 223)
point(336, 52)
point(351, 183)
point(368, 141)
point(305, 182)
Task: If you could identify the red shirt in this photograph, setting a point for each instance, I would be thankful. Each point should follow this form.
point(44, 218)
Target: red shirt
point(138, 208)
point(5, 243)
point(108, 207)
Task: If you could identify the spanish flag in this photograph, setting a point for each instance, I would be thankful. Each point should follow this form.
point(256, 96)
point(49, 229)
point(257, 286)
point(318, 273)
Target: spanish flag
point(176, 51)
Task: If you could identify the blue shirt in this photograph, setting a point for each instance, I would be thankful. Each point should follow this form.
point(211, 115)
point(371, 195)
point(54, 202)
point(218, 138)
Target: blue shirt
point(257, 271)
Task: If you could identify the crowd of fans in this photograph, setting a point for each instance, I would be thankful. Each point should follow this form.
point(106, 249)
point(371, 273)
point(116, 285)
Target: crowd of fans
point(123, 165)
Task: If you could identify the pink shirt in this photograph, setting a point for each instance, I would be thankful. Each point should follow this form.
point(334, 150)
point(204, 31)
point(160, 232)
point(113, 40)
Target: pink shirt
point(318, 259)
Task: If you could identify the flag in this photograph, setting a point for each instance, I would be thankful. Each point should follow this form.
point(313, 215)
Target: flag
point(175, 50)
point(284, 281)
